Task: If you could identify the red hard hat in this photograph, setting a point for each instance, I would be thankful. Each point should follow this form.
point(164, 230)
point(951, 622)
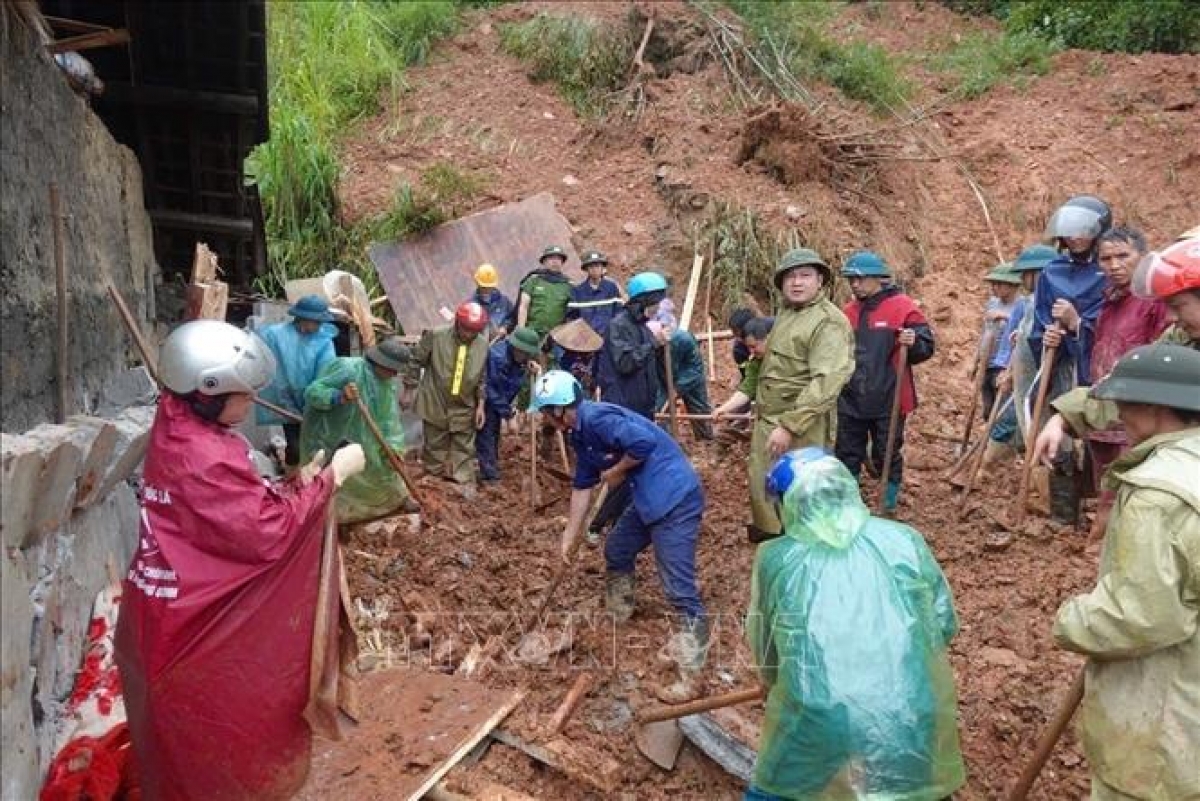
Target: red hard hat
point(470, 316)
point(1170, 271)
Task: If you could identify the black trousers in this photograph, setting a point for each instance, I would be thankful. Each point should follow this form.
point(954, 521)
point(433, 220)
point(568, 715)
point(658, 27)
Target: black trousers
point(987, 391)
point(853, 436)
point(291, 433)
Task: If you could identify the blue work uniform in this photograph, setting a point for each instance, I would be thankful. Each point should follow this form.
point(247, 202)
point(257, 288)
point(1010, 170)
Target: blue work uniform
point(498, 307)
point(1081, 283)
point(667, 499)
point(505, 377)
point(598, 317)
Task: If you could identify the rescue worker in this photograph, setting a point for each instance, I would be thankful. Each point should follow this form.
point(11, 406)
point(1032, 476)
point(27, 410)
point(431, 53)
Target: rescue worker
point(509, 362)
point(545, 293)
point(621, 448)
point(220, 597)
point(1140, 625)
point(628, 364)
point(332, 416)
point(809, 358)
point(755, 333)
point(1068, 296)
point(488, 295)
point(689, 376)
point(576, 347)
point(301, 348)
point(850, 623)
point(1005, 285)
point(884, 319)
point(450, 393)
point(595, 299)
point(737, 327)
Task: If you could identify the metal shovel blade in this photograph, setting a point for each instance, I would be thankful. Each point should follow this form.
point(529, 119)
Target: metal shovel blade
point(660, 742)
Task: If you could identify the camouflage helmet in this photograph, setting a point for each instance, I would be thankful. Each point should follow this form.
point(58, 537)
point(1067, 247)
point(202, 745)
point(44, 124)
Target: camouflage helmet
point(1160, 374)
point(801, 257)
point(552, 250)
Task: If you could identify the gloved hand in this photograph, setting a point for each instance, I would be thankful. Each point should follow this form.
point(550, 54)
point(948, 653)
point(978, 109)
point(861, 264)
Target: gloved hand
point(347, 461)
point(309, 471)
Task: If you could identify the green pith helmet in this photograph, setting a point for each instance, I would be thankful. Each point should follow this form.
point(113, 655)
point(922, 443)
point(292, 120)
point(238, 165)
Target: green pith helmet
point(552, 250)
point(593, 257)
point(865, 264)
point(526, 340)
point(800, 257)
point(1003, 273)
point(1158, 374)
point(1034, 258)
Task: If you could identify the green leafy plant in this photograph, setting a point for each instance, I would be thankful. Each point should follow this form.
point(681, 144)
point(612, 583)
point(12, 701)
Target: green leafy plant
point(441, 194)
point(982, 60)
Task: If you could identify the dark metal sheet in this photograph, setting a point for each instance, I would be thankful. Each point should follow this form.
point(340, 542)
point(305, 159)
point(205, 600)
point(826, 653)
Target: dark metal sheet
point(436, 269)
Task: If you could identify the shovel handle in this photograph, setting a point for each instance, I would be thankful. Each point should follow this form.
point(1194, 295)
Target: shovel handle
point(392, 457)
point(1035, 425)
point(673, 711)
point(1050, 737)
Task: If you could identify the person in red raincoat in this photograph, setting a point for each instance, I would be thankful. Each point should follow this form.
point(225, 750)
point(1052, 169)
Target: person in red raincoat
point(215, 633)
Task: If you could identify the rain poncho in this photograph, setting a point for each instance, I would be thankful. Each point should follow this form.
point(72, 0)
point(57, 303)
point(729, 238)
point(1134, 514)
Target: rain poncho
point(1140, 719)
point(850, 618)
point(300, 358)
point(329, 419)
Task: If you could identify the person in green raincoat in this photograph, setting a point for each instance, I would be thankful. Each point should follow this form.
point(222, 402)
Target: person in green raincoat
point(1140, 625)
point(850, 621)
point(331, 415)
point(688, 375)
point(448, 373)
point(809, 358)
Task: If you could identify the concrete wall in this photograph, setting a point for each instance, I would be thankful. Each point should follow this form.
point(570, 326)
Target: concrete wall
point(48, 134)
point(69, 507)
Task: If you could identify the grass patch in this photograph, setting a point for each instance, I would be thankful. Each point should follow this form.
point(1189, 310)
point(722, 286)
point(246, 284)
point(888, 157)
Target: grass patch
point(441, 194)
point(982, 60)
point(798, 32)
point(587, 60)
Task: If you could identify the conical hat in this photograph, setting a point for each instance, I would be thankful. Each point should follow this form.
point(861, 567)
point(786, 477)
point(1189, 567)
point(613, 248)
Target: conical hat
point(577, 336)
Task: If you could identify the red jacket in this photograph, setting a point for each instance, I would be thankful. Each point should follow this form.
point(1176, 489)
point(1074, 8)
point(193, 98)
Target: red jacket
point(876, 321)
point(215, 634)
point(1125, 322)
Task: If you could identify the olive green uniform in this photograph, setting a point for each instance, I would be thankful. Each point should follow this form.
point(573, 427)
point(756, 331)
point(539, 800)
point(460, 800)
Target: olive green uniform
point(810, 356)
point(448, 392)
point(549, 293)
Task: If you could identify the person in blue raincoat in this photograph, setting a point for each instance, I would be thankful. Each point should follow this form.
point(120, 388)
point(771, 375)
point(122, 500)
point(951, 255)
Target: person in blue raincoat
point(508, 366)
point(850, 620)
point(301, 347)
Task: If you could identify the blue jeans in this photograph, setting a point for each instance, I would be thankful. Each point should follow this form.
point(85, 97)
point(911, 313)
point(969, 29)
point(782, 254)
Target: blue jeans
point(487, 445)
point(674, 540)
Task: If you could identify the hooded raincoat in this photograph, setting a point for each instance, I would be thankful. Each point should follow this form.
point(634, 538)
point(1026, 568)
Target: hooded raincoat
point(329, 419)
point(300, 358)
point(215, 634)
point(1140, 626)
point(850, 620)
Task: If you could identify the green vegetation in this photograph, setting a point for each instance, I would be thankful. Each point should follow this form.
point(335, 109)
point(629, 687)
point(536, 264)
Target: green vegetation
point(797, 33)
point(1129, 26)
point(587, 60)
point(441, 194)
point(982, 60)
point(331, 64)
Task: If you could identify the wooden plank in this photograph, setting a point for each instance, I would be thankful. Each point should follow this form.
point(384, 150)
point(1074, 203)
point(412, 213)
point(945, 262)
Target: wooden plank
point(189, 221)
point(689, 300)
point(90, 41)
point(586, 767)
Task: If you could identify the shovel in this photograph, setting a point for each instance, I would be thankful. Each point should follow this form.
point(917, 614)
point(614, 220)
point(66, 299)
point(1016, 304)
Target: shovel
point(392, 457)
point(659, 738)
point(890, 448)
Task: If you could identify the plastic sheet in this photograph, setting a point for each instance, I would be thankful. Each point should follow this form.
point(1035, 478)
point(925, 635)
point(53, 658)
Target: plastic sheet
point(849, 622)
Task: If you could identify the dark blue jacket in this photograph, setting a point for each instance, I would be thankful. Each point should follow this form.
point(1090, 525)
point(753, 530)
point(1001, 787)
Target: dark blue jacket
point(504, 378)
point(604, 433)
point(1083, 285)
point(627, 369)
point(598, 317)
point(498, 307)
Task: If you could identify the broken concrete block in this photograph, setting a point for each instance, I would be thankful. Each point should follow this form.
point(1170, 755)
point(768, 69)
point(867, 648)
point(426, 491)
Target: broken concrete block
point(132, 387)
point(19, 779)
point(133, 434)
point(103, 438)
point(54, 496)
point(22, 460)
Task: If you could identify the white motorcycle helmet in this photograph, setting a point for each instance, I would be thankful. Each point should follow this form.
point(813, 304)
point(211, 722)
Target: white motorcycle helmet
point(210, 359)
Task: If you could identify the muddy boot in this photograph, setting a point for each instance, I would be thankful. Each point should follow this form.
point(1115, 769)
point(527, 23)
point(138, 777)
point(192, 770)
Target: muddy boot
point(1064, 498)
point(995, 456)
point(690, 650)
point(757, 535)
point(891, 496)
point(618, 595)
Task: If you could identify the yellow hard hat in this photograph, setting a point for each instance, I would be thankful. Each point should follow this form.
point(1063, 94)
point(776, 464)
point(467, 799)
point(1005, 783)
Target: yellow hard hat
point(487, 277)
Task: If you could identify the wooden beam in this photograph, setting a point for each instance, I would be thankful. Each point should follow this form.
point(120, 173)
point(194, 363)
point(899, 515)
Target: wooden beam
point(594, 769)
point(74, 25)
point(689, 301)
point(150, 95)
point(90, 41)
point(190, 221)
point(469, 743)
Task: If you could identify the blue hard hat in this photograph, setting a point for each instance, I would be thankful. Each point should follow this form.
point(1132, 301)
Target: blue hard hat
point(554, 388)
point(644, 283)
point(786, 469)
point(312, 307)
point(865, 264)
point(1034, 258)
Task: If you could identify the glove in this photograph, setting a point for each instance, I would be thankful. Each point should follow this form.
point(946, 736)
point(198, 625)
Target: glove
point(347, 461)
point(309, 471)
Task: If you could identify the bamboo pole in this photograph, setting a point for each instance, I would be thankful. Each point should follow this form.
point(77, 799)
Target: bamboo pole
point(893, 424)
point(62, 346)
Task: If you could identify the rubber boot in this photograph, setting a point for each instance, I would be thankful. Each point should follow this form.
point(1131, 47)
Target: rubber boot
point(757, 535)
point(891, 496)
point(995, 455)
point(689, 647)
point(1064, 497)
point(618, 595)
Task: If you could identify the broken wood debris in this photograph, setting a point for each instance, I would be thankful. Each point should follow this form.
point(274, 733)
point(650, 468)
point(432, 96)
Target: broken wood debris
point(586, 767)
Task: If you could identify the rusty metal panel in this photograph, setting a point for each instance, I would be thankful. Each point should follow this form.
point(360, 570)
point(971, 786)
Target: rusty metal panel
point(436, 270)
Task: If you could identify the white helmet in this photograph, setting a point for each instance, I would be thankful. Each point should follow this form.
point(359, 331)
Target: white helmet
point(214, 358)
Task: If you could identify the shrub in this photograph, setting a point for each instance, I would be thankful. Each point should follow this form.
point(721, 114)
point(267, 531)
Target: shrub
point(1130, 26)
point(982, 60)
point(442, 194)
